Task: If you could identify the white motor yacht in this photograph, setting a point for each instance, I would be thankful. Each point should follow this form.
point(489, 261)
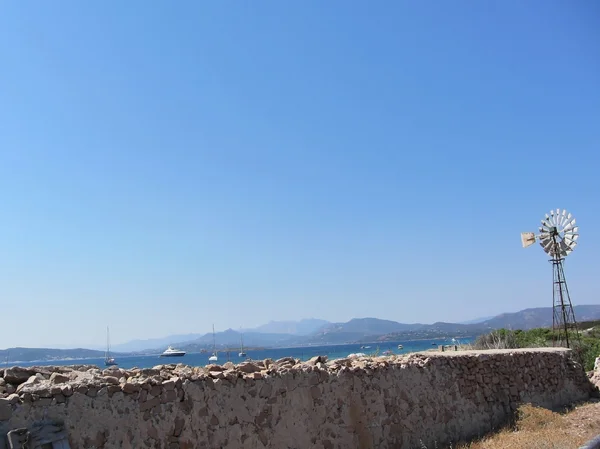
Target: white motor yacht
point(172, 352)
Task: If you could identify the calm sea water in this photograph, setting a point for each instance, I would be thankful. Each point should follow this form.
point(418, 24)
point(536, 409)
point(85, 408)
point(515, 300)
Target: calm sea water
point(305, 353)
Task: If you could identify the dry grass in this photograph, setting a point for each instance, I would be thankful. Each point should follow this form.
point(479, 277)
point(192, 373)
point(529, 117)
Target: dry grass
point(538, 428)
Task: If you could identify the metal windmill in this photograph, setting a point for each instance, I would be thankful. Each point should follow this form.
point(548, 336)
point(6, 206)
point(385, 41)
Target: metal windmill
point(558, 236)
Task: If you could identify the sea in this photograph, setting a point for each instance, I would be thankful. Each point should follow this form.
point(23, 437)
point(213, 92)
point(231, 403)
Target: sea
point(302, 353)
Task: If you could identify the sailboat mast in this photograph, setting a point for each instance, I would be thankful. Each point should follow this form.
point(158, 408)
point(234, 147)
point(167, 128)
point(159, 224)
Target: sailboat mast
point(106, 351)
point(214, 342)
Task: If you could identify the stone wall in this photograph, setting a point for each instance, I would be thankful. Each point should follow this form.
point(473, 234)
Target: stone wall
point(595, 375)
point(384, 402)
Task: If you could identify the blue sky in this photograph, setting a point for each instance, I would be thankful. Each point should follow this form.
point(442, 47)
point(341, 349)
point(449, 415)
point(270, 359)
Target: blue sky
point(166, 166)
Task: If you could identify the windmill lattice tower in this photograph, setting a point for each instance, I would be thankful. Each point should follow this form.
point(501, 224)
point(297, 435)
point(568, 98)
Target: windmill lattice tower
point(558, 237)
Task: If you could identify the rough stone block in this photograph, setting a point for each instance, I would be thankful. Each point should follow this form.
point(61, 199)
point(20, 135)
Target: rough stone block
point(57, 378)
point(130, 388)
point(17, 375)
point(5, 409)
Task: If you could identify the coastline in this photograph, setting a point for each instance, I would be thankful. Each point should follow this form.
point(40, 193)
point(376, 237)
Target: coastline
point(197, 358)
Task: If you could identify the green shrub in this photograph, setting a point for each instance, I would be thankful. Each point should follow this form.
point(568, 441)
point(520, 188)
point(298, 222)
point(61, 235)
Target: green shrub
point(586, 346)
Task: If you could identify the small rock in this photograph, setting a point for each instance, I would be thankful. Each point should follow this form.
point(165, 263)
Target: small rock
point(17, 375)
point(92, 391)
point(44, 402)
point(111, 380)
point(112, 389)
point(25, 386)
point(285, 360)
point(179, 423)
point(168, 396)
point(231, 375)
point(169, 384)
point(5, 409)
point(318, 359)
point(248, 368)
point(130, 388)
point(66, 390)
point(57, 378)
point(148, 372)
point(214, 367)
point(153, 433)
point(149, 404)
point(14, 398)
point(315, 392)
point(266, 390)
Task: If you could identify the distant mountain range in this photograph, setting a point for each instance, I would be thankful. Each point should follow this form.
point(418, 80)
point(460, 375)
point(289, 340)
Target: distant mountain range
point(302, 327)
point(477, 320)
point(270, 334)
point(313, 332)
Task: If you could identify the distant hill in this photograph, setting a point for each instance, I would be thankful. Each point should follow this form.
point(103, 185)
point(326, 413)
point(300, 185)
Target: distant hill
point(368, 326)
point(33, 354)
point(141, 345)
point(232, 338)
point(302, 327)
point(477, 320)
point(539, 317)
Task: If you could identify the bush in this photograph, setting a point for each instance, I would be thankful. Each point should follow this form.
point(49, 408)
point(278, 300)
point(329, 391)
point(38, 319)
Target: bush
point(587, 350)
point(586, 347)
point(498, 339)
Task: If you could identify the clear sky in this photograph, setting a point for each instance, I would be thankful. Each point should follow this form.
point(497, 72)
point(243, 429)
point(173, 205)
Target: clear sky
point(169, 165)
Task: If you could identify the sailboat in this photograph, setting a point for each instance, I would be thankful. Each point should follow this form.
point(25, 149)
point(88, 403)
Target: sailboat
point(108, 360)
point(213, 357)
point(242, 353)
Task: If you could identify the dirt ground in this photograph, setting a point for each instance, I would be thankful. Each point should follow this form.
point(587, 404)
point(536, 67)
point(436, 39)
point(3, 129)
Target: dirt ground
point(538, 428)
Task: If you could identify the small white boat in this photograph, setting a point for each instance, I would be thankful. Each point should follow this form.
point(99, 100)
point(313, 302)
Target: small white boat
point(172, 352)
point(242, 353)
point(108, 359)
point(213, 357)
point(400, 347)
